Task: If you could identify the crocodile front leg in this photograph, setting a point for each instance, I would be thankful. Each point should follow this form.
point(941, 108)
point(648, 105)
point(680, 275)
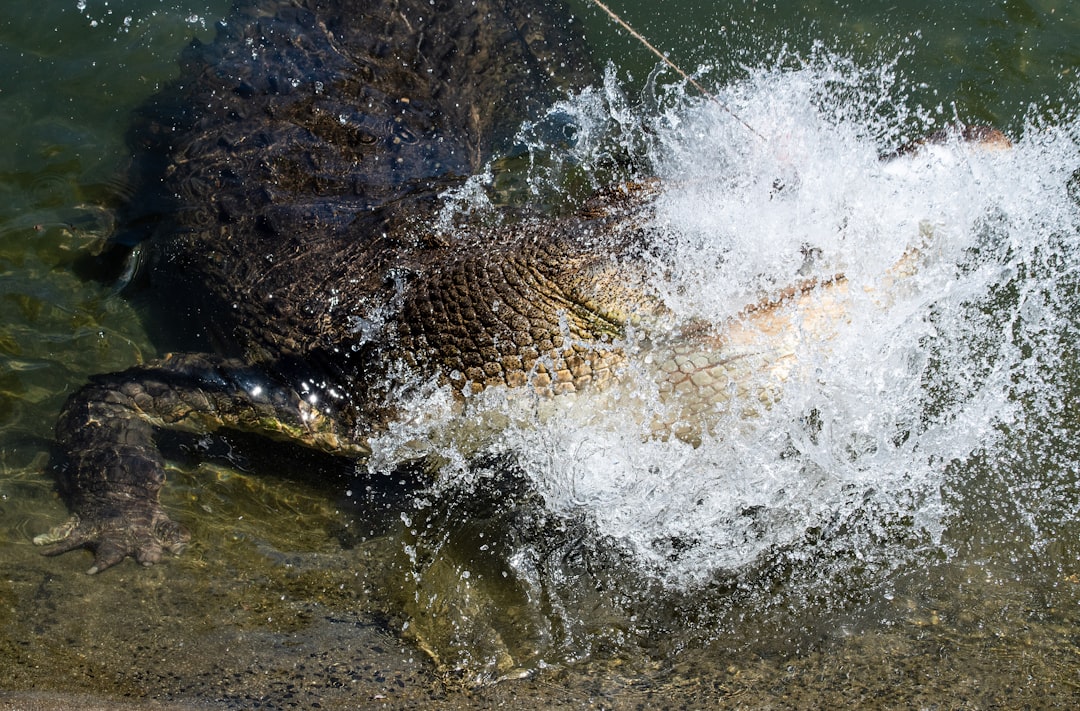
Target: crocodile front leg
point(113, 471)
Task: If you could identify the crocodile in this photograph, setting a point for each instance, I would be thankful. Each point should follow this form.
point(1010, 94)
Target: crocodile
point(290, 204)
point(287, 195)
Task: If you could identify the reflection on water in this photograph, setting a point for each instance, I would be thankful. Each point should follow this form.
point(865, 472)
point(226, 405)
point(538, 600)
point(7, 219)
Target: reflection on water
point(898, 530)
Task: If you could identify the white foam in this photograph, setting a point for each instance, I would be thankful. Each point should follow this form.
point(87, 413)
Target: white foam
point(919, 378)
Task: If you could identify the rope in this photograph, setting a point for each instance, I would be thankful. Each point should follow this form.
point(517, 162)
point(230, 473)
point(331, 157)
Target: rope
point(693, 82)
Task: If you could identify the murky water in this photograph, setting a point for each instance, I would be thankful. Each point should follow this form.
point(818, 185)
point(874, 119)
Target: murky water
point(898, 529)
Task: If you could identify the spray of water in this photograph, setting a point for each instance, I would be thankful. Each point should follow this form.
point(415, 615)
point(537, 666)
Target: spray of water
point(866, 455)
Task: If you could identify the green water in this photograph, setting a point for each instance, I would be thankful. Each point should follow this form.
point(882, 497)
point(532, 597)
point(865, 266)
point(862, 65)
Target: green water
point(281, 601)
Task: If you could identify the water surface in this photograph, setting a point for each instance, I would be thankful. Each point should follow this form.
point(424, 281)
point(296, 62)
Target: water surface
point(900, 530)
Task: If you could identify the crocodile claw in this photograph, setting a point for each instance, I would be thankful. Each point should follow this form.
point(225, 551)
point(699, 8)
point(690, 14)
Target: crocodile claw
point(144, 537)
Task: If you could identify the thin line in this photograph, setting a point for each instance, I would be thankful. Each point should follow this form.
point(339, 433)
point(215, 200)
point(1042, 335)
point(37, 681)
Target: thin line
point(636, 35)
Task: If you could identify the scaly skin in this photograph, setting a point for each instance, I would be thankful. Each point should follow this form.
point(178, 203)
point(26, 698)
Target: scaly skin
point(114, 470)
point(288, 190)
point(286, 184)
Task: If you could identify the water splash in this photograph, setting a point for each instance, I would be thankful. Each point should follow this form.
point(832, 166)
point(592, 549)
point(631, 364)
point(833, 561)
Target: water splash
point(876, 448)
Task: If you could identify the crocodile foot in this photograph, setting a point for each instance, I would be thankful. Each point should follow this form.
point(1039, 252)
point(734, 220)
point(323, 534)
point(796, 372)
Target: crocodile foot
point(144, 536)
